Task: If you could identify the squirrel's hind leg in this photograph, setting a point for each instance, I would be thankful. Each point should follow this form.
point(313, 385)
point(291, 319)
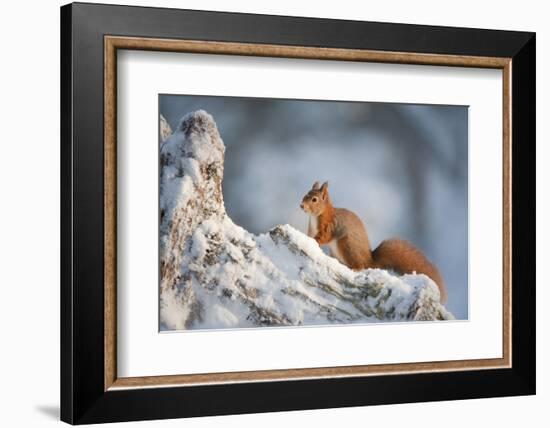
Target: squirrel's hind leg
point(349, 255)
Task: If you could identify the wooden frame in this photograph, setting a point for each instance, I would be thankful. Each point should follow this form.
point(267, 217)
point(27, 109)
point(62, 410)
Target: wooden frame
point(84, 377)
point(112, 43)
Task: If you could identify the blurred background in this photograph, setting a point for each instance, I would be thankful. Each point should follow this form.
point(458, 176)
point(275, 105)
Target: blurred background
point(402, 168)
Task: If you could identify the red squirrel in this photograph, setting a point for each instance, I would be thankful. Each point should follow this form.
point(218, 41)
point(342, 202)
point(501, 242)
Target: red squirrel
point(347, 239)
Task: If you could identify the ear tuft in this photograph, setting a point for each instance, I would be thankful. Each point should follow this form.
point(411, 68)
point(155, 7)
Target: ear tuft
point(324, 190)
point(315, 186)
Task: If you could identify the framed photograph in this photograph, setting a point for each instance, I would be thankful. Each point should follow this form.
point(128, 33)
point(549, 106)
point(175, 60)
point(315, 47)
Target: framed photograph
point(266, 213)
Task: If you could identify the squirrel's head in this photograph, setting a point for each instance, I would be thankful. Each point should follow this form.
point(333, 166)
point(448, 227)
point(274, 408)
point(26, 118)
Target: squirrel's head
point(315, 201)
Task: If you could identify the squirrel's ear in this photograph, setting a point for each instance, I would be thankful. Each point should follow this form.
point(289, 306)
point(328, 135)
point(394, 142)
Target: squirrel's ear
point(324, 189)
point(315, 186)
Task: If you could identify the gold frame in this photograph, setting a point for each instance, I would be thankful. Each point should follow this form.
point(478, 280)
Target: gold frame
point(113, 43)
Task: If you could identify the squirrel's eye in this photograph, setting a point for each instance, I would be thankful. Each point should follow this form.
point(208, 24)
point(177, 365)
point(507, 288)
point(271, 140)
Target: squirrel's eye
point(314, 199)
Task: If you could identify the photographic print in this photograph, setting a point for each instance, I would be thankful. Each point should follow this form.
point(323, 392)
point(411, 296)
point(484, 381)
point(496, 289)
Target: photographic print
point(285, 212)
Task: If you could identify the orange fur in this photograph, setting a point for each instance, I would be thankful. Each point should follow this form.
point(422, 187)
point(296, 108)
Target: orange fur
point(347, 236)
point(401, 256)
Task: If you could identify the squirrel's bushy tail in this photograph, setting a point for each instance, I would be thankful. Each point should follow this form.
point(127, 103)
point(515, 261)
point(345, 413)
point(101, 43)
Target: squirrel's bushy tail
point(403, 257)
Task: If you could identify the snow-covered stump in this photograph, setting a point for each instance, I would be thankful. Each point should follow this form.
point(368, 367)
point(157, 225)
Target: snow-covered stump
point(164, 129)
point(215, 274)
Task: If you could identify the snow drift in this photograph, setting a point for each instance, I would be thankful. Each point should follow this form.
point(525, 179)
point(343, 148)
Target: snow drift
point(215, 274)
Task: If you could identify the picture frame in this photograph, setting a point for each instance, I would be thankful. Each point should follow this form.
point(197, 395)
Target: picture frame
point(91, 390)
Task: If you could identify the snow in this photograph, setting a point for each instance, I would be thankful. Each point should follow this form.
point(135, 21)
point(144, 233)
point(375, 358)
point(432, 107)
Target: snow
point(164, 129)
point(215, 274)
point(198, 138)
